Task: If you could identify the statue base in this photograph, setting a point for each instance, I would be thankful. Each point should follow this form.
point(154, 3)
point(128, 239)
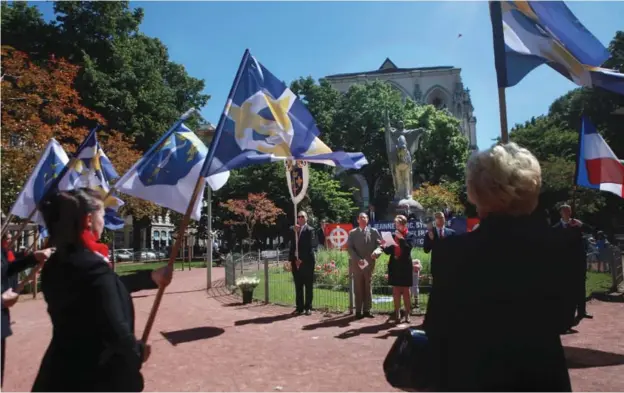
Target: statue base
point(407, 207)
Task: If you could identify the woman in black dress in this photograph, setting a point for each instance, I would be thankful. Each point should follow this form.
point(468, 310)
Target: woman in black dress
point(400, 267)
point(93, 346)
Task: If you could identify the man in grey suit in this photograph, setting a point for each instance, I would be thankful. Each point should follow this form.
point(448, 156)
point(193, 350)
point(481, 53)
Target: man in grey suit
point(362, 243)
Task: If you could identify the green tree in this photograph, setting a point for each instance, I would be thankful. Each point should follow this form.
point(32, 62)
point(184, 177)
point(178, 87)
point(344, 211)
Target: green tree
point(355, 121)
point(127, 76)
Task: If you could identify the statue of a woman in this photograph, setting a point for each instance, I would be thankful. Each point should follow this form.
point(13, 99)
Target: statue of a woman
point(401, 144)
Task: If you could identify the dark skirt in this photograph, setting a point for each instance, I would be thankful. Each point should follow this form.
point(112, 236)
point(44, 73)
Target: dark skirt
point(400, 272)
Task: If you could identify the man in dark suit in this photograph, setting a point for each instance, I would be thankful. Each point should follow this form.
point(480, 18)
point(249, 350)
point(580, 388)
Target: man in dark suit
point(576, 229)
point(437, 233)
point(302, 260)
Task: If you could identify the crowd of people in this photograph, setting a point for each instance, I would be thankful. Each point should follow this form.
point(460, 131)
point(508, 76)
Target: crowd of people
point(478, 335)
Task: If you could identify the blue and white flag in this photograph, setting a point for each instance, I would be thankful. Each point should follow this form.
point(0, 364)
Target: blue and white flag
point(168, 172)
point(49, 167)
point(528, 34)
point(92, 169)
point(264, 121)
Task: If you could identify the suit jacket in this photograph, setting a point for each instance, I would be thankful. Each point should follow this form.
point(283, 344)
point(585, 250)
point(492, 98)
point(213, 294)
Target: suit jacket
point(93, 346)
point(476, 321)
point(307, 245)
point(431, 244)
point(9, 272)
point(360, 245)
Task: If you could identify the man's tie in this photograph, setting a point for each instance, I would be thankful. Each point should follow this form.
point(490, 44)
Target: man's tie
point(440, 233)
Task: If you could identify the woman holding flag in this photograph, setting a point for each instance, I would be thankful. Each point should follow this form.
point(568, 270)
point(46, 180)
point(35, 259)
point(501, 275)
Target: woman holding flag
point(93, 346)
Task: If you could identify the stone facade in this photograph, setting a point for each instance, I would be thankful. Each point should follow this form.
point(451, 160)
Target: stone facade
point(438, 86)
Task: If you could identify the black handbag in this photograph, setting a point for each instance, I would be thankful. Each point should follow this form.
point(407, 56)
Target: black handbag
point(407, 365)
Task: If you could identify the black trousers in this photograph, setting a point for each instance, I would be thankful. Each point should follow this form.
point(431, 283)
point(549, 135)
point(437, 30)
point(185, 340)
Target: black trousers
point(303, 289)
point(3, 357)
point(580, 295)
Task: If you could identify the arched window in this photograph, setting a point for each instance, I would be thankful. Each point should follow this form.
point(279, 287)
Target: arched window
point(437, 102)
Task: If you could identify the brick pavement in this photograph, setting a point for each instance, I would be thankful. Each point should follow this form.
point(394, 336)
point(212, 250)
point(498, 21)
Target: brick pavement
point(207, 341)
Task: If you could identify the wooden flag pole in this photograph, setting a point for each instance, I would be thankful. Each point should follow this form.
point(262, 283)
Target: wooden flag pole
point(5, 226)
point(32, 275)
point(502, 108)
point(174, 252)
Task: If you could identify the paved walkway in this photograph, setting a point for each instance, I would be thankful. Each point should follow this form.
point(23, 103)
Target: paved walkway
point(207, 341)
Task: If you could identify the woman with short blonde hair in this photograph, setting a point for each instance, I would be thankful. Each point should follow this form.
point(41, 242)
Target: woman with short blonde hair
point(476, 321)
point(504, 179)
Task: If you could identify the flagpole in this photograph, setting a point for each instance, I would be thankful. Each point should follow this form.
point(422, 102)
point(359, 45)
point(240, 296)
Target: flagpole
point(5, 226)
point(32, 274)
point(198, 187)
point(496, 15)
point(58, 179)
point(502, 108)
point(172, 256)
point(578, 163)
point(210, 241)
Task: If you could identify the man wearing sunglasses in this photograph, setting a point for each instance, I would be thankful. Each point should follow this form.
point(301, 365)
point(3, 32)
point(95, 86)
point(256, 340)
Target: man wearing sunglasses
point(302, 258)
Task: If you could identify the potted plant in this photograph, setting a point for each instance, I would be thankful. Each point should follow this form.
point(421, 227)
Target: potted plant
point(247, 286)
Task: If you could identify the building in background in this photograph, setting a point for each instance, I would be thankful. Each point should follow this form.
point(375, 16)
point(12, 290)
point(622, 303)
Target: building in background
point(441, 87)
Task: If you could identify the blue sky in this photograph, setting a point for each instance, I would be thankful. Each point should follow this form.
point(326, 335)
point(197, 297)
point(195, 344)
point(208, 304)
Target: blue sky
point(295, 39)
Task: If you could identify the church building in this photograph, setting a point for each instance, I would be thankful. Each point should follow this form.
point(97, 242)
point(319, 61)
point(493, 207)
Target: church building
point(439, 86)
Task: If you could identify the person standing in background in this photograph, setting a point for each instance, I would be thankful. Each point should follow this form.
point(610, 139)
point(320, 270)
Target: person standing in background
point(302, 264)
point(361, 244)
point(321, 234)
point(400, 268)
point(576, 228)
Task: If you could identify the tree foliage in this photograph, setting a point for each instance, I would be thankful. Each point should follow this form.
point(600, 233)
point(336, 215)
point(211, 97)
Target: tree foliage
point(255, 209)
point(127, 76)
point(355, 121)
point(40, 103)
point(438, 197)
point(553, 139)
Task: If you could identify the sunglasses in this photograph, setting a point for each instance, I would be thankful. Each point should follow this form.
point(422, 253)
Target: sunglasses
point(300, 216)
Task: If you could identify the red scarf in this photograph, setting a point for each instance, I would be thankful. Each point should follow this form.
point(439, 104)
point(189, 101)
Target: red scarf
point(9, 253)
point(90, 242)
point(397, 248)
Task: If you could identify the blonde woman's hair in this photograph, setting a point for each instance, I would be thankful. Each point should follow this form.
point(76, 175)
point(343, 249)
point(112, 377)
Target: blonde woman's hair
point(401, 219)
point(504, 179)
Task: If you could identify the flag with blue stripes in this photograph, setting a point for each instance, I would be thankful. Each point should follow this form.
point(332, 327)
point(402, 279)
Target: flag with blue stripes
point(264, 121)
point(43, 177)
point(93, 169)
point(528, 34)
point(168, 172)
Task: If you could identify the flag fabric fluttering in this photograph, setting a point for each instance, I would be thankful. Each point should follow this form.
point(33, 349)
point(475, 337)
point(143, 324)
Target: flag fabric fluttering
point(46, 172)
point(168, 172)
point(528, 34)
point(93, 169)
point(264, 121)
point(597, 166)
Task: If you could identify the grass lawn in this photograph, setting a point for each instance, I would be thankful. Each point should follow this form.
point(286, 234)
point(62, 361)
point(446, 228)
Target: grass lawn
point(127, 268)
point(282, 291)
point(597, 282)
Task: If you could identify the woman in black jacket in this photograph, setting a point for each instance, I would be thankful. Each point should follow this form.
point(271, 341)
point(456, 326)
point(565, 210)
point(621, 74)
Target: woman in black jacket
point(400, 267)
point(93, 346)
point(500, 300)
point(9, 298)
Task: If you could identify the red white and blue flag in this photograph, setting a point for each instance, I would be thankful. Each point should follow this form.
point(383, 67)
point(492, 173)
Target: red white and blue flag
point(597, 166)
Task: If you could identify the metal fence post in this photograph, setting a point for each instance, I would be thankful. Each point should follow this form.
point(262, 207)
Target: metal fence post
point(266, 280)
point(350, 293)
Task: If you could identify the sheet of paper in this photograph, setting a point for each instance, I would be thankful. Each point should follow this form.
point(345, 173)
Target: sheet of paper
point(363, 265)
point(387, 236)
